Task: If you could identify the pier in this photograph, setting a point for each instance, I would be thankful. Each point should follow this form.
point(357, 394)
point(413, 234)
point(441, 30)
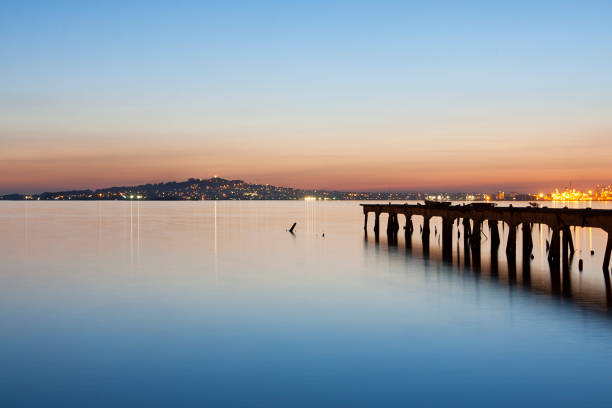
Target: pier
point(471, 217)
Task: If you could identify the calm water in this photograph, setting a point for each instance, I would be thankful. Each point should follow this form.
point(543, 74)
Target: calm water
point(215, 304)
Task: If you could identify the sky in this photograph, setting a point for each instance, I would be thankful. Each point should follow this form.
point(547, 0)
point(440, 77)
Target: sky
point(349, 95)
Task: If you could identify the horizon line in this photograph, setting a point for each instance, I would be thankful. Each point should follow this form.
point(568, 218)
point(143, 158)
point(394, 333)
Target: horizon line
point(340, 190)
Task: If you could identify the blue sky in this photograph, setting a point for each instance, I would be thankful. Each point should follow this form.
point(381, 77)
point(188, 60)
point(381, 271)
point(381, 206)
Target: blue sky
point(316, 94)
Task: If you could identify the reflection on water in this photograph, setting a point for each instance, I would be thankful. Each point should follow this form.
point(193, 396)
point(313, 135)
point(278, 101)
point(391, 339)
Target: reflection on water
point(216, 304)
point(589, 287)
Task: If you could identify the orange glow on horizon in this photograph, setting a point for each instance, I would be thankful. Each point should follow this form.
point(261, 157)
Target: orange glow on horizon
point(363, 165)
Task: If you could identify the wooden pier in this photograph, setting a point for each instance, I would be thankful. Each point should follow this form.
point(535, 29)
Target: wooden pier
point(473, 216)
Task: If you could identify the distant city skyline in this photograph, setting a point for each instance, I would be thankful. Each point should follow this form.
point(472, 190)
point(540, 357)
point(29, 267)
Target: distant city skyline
point(219, 188)
point(38, 186)
point(379, 96)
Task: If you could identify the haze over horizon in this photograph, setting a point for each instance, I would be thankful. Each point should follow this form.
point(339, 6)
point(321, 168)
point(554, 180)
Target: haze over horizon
point(481, 189)
point(386, 96)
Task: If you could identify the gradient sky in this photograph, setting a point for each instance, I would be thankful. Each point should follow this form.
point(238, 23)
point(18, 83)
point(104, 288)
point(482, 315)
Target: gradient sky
point(345, 95)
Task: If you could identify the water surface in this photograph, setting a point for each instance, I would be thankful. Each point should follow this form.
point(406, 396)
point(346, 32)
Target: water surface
point(216, 304)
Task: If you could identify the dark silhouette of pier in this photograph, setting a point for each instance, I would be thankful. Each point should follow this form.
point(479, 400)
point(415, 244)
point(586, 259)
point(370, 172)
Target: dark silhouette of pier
point(518, 220)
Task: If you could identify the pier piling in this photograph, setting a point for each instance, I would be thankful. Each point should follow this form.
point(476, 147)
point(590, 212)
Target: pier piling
point(527, 240)
point(511, 244)
point(408, 231)
point(606, 262)
point(447, 238)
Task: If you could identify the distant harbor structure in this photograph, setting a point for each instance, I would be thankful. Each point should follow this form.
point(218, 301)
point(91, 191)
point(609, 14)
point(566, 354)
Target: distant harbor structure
point(472, 217)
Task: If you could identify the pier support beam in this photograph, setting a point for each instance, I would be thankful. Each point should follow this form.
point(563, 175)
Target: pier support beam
point(511, 244)
point(396, 227)
point(567, 237)
point(365, 222)
point(376, 225)
point(392, 228)
point(408, 230)
point(608, 289)
point(467, 231)
point(527, 240)
point(606, 262)
point(447, 239)
point(426, 232)
point(475, 243)
point(376, 222)
point(554, 255)
point(495, 240)
point(554, 260)
point(511, 252)
point(526, 271)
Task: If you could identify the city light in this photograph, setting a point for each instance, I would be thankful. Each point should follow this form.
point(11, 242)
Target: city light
point(597, 194)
